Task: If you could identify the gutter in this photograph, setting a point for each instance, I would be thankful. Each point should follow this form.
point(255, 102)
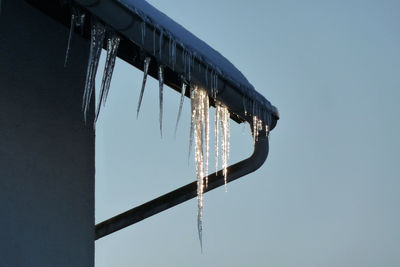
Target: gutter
point(129, 25)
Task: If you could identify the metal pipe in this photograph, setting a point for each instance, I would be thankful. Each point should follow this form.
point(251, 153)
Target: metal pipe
point(186, 192)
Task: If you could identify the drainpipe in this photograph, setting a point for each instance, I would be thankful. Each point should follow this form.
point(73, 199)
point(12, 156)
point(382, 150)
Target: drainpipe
point(186, 192)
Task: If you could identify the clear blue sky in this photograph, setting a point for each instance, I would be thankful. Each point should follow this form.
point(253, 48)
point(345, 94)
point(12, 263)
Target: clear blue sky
point(329, 193)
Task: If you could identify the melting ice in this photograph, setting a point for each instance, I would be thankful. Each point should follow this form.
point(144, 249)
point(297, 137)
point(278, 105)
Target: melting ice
point(199, 131)
point(112, 49)
point(96, 45)
point(143, 30)
point(77, 20)
point(71, 30)
point(183, 90)
point(222, 130)
point(161, 86)
point(145, 71)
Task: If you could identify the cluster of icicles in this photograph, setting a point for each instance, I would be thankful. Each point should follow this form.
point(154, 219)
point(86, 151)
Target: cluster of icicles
point(200, 121)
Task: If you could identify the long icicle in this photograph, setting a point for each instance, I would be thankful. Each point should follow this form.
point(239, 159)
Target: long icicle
point(206, 121)
point(161, 86)
point(192, 120)
point(145, 71)
point(225, 140)
point(217, 122)
point(96, 45)
point(199, 123)
point(183, 90)
point(71, 31)
point(222, 121)
point(113, 55)
point(112, 49)
point(198, 139)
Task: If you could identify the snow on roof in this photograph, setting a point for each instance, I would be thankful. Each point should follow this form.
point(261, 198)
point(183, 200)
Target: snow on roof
point(198, 48)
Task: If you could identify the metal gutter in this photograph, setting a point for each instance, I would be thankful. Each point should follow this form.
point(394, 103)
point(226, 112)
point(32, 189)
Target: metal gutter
point(130, 25)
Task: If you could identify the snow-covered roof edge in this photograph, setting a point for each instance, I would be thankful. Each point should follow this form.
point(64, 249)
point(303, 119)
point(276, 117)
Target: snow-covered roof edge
point(198, 48)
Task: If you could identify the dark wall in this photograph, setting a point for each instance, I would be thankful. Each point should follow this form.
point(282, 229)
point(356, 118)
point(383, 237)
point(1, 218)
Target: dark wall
point(46, 150)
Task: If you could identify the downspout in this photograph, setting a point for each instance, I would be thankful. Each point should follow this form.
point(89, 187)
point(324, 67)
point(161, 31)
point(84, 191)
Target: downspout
point(186, 192)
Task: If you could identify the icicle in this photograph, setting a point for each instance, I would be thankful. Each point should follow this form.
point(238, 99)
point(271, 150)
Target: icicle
point(173, 54)
point(143, 31)
point(255, 129)
point(222, 120)
point(184, 63)
point(206, 121)
point(161, 44)
point(145, 71)
point(161, 85)
point(216, 87)
point(71, 30)
point(198, 133)
point(225, 140)
point(96, 45)
point(183, 90)
point(112, 49)
point(189, 59)
point(81, 21)
point(217, 122)
point(244, 105)
point(192, 120)
point(199, 126)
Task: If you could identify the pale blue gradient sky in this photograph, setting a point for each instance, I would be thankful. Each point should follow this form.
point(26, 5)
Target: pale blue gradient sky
point(329, 193)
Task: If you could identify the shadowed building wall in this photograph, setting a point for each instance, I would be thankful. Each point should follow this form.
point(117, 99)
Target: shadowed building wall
point(46, 150)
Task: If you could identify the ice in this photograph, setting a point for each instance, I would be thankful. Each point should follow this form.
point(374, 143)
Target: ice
point(217, 122)
point(192, 120)
point(200, 127)
point(187, 59)
point(172, 52)
point(161, 44)
point(77, 20)
point(145, 71)
point(96, 45)
point(112, 49)
point(183, 90)
point(143, 30)
point(206, 122)
point(71, 31)
point(161, 85)
point(80, 21)
point(222, 130)
point(225, 130)
point(192, 45)
point(214, 85)
point(258, 127)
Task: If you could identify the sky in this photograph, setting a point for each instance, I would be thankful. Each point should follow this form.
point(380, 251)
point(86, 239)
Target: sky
point(329, 192)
